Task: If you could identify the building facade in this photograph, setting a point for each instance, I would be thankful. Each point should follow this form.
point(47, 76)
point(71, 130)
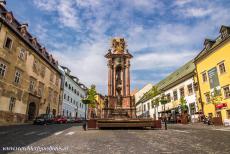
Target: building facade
point(100, 99)
point(178, 85)
point(29, 75)
point(73, 93)
point(138, 95)
point(213, 73)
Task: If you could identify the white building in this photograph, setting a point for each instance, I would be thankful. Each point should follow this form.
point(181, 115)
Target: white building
point(138, 95)
point(73, 93)
point(179, 84)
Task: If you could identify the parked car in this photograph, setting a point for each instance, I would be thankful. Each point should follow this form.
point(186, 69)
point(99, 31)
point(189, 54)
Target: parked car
point(70, 120)
point(78, 120)
point(60, 119)
point(44, 119)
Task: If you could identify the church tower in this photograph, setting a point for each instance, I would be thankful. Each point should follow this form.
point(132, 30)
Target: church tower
point(119, 103)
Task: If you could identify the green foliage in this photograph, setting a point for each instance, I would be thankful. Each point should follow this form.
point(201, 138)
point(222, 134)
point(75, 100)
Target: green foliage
point(91, 96)
point(216, 98)
point(163, 100)
point(183, 102)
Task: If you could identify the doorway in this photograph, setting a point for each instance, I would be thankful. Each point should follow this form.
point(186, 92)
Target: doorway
point(32, 111)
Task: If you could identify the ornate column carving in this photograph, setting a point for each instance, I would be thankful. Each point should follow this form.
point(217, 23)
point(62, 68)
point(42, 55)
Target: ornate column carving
point(114, 80)
point(124, 81)
point(127, 78)
point(109, 78)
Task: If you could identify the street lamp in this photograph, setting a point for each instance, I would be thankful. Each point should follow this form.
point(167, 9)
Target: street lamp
point(164, 101)
point(85, 101)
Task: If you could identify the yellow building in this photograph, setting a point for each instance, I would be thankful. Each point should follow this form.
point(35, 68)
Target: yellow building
point(29, 76)
point(213, 72)
point(100, 105)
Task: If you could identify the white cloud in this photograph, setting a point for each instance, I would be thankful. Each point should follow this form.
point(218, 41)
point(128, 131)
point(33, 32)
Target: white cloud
point(150, 61)
point(196, 12)
point(86, 62)
point(165, 44)
point(182, 2)
point(47, 5)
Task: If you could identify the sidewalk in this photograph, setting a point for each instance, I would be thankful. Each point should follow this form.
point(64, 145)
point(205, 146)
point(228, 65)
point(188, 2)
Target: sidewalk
point(14, 124)
point(197, 126)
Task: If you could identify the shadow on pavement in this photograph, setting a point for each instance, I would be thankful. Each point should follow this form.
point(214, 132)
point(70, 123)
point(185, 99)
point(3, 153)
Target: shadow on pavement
point(24, 135)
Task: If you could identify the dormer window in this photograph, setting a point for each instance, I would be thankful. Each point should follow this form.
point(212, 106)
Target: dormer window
point(23, 29)
point(9, 17)
point(225, 31)
point(34, 41)
point(208, 43)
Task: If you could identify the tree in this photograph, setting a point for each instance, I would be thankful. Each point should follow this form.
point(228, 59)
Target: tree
point(91, 96)
point(184, 106)
point(91, 99)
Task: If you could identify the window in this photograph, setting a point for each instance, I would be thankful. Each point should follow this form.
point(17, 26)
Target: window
point(222, 68)
point(64, 96)
point(175, 95)
point(144, 107)
point(168, 97)
point(148, 106)
point(68, 98)
point(17, 77)
point(66, 84)
point(22, 54)
point(57, 81)
point(75, 91)
point(51, 76)
point(226, 92)
point(190, 90)
point(228, 114)
point(8, 43)
point(12, 103)
point(207, 96)
point(195, 85)
point(69, 87)
point(50, 95)
point(192, 108)
point(35, 65)
point(2, 69)
point(43, 71)
point(152, 103)
point(40, 89)
point(204, 77)
point(182, 92)
point(32, 85)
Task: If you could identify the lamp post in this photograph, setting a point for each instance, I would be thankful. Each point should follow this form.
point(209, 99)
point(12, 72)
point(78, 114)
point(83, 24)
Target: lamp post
point(85, 101)
point(164, 101)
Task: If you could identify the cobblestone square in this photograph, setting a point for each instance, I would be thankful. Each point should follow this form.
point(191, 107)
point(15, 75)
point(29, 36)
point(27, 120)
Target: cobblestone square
point(198, 138)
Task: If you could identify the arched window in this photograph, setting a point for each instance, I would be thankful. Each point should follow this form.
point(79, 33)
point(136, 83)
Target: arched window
point(66, 84)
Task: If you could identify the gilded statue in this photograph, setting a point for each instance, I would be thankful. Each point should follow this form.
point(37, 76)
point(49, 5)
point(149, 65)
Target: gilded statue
point(118, 45)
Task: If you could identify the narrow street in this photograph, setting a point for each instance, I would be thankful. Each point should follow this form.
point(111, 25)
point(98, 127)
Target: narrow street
point(70, 138)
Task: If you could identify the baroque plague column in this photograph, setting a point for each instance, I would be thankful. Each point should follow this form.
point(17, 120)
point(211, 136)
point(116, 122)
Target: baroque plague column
point(119, 102)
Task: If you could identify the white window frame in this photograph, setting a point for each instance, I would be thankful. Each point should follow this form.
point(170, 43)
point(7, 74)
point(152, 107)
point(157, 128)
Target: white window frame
point(7, 37)
point(17, 77)
point(3, 69)
point(22, 54)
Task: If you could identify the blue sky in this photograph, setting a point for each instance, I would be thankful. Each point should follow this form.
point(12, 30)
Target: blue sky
point(161, 35)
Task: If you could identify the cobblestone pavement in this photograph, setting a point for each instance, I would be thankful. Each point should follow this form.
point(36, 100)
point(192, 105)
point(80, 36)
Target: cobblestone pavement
point(198, 138)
